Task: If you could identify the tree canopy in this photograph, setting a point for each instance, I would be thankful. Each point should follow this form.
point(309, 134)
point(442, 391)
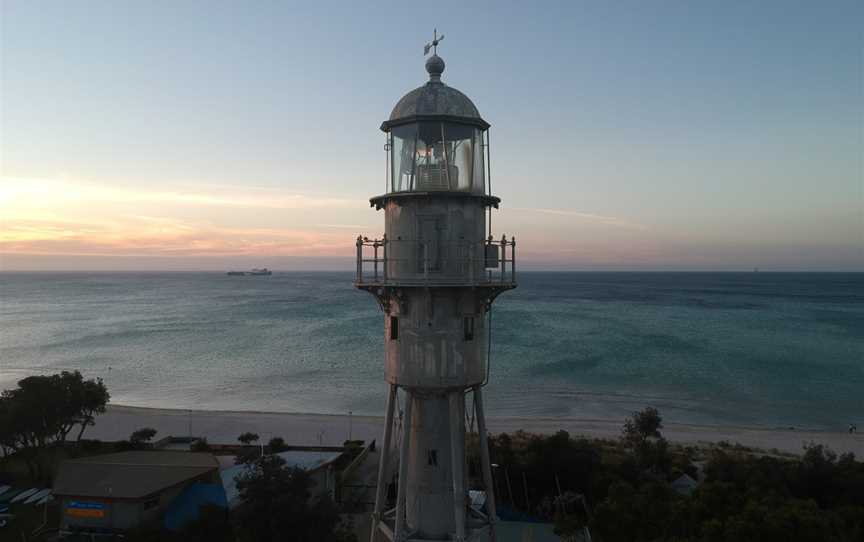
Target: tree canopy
point(248, 437)
point(276, 445)
point(277, 505)
point(743, 495)
point(141, 436)
point(43, 410)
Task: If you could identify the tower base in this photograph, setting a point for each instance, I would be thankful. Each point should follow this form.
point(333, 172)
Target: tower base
point(439, 507)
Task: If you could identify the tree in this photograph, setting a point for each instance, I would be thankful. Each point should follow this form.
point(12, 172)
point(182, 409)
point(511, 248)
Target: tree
point(616, 517)
point(200, 445)
point(642, 426)
point(91, 397)
point(276, 501)
point(139, 437)
point(212, 525)
point(641, 434)
point(276, 445)
point(25, 430)
point(248, 438)
point(44, 409)
point(571, 515)
point(55, 404)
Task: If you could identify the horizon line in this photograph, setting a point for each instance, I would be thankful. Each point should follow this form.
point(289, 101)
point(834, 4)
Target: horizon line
point(601, 270)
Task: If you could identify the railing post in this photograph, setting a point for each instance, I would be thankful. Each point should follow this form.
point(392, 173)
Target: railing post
point(513, 258)
point(503, 256)
point(384, 242)
point(375, 259)
point(486, 270)
point(359, 258)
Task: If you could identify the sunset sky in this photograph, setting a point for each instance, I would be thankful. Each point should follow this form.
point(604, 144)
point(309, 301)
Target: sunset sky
point(625, 135)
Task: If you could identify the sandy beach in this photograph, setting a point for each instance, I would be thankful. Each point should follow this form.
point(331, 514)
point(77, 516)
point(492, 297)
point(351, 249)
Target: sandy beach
point(311, 429)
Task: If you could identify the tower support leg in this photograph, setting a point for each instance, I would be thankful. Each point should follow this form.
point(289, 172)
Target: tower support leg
point(381, 488)
point(484, 459)
point(400, 534)
point(457, 454)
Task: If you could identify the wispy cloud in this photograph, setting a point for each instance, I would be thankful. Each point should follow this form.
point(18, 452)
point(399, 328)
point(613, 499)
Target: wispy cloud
point(47, 191)
point(358, 227)
point(588, 217)
point(160, 237)
point(58, 216)
point(72, 217)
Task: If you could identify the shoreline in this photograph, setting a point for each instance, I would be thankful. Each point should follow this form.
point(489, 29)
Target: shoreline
point(223, 426)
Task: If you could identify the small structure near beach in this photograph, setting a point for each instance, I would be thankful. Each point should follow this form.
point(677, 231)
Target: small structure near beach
point(112, 493)
point(320, 465)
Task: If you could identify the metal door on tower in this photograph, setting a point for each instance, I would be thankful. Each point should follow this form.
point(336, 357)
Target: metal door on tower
point(429, 232)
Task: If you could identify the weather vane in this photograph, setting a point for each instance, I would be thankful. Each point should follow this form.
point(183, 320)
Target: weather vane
point(434, 45)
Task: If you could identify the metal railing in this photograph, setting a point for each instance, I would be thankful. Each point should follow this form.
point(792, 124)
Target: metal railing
point(395, 262)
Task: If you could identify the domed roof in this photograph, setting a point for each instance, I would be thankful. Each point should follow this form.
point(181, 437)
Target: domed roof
point(434, 99)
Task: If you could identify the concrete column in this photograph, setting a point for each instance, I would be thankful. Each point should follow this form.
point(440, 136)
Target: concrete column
point(429, 511)
point(457, 458)
point(381, 488)
point(400, 533)
point(485, 461)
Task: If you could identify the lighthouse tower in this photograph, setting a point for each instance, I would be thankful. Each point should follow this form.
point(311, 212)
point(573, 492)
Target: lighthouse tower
point(435, 273)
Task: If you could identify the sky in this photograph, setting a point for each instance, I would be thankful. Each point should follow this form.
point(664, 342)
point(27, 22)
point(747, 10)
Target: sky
point(658, 135)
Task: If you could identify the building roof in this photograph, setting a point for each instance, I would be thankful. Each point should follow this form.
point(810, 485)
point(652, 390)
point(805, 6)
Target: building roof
point(130, 475)
point(434, 99)
point(308, 460)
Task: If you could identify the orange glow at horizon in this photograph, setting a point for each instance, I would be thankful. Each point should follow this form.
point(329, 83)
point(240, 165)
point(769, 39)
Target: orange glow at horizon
point(78, 218)
point(59, 223)
point(40, 216)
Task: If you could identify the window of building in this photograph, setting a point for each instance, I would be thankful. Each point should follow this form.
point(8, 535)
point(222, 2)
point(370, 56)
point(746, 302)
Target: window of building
point(432, 457)
point(468, 328)
point(394, 328)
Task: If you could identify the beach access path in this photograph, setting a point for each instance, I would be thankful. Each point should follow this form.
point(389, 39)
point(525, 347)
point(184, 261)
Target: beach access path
point(223, 427)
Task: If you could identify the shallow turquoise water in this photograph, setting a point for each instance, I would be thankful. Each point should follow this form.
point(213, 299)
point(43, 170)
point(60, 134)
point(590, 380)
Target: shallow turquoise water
point(771, 349)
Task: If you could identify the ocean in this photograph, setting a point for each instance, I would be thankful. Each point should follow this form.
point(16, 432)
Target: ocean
point(753, 349)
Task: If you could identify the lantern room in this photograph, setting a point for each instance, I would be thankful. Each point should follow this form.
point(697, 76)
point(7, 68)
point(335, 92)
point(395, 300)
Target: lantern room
point(436, 140)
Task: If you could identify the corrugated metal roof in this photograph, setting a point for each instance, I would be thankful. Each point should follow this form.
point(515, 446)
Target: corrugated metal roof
point(308, 460)
point(130, 475)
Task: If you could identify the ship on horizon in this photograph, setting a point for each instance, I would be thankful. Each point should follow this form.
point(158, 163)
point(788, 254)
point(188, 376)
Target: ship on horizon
point(262, 271)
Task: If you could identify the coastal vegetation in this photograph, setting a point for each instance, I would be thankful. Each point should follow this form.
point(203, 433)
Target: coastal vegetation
point(39, 415)
point(42, 411)
point(200, 445)
point(248, 438)
point(276, 445)
point(142, 437)
point(276, 504)
point(625, 490)
point(276, 500)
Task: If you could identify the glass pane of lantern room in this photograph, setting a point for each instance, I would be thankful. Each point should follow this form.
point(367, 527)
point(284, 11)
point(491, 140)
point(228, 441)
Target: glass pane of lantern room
point(403, 153)
point(432, 171)
point(463, 154)
point(436, 156)
point(479, 184)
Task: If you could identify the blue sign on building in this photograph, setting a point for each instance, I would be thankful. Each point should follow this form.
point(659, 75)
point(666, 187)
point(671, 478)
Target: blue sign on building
point(85, 509)
point(86, 505)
